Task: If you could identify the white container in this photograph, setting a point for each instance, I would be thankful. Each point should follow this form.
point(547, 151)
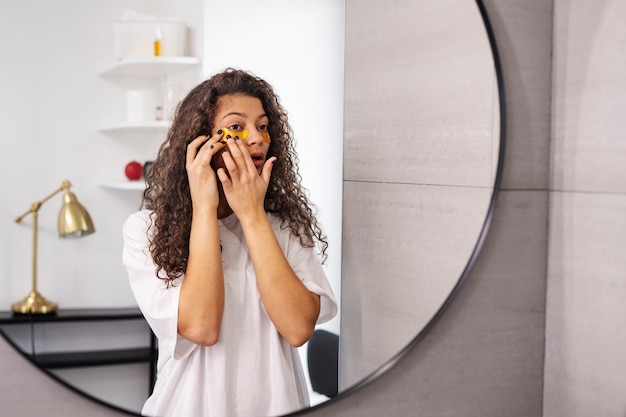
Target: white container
point(135, 39)
point(141, 105)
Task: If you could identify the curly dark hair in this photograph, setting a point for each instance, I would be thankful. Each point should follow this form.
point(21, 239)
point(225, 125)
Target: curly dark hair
point(167, 194)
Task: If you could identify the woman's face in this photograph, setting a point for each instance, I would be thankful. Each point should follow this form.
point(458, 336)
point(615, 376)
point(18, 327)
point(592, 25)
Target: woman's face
point(239, 112)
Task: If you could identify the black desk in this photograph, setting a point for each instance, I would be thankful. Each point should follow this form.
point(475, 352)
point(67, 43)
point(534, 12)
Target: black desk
point(87, 358)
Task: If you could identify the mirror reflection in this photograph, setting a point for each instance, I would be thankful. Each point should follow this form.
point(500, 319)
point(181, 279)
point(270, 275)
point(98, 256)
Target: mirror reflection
point(410, 161)
point(420, 156)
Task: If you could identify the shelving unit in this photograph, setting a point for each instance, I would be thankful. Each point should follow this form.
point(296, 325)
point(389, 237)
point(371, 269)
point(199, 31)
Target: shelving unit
point(156, 66)
point(101, 357)
point(154, 69)
point(156, 126)
point(123, 184)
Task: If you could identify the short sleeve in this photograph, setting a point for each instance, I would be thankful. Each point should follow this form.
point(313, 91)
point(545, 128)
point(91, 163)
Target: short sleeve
point(157, 302)
point(307, 266)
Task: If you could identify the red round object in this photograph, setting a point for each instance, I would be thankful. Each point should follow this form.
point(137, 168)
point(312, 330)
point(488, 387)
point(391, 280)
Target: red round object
point(133, 170)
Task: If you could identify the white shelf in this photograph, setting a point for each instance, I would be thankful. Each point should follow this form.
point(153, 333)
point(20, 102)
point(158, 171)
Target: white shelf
point(123, 184)
point(145, 67)
point(149, 126)
point(155, 66)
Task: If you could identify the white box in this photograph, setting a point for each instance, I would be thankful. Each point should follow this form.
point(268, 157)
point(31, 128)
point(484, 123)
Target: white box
point(136, 38)
point(141, 105)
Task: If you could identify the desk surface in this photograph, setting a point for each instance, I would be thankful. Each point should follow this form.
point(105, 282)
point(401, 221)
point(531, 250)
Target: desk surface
point(73, 314)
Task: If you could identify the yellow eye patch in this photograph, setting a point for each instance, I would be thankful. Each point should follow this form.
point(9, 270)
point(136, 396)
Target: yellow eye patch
point(244, 134)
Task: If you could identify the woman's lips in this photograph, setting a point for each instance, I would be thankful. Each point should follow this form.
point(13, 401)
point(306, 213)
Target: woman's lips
point(258, 158)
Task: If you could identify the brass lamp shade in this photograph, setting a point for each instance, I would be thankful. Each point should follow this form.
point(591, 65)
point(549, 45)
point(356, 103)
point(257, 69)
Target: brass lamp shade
point(74, 221)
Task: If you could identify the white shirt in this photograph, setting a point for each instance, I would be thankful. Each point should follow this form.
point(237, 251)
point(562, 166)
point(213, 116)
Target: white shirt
point(251, 371)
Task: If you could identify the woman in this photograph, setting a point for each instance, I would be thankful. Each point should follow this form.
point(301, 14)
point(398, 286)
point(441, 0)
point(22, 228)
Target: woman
point(222, 259)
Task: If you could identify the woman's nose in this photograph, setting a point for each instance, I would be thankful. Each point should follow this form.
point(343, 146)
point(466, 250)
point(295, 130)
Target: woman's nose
point(253, 138)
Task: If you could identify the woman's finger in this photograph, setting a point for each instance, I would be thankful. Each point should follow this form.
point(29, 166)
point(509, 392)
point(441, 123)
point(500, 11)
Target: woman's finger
point(232, 170)
point(192, 148)
point(203, 148)
point(267, 169)
point(246, 158)
point(224, 179)
point(240, 156)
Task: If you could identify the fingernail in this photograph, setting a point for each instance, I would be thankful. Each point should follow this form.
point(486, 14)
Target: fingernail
point(236, 137)
point(219, 132)
point(211, 147)
point(228, 137)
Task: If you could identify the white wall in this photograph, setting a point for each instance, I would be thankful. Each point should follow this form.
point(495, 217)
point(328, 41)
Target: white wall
point(52, 103)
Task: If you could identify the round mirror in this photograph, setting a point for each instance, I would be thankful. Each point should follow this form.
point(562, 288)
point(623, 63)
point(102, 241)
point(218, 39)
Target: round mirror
point(421, 109)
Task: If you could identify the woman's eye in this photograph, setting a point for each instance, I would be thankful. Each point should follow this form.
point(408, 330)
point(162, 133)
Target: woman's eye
point(234, 128)
point(263, 128)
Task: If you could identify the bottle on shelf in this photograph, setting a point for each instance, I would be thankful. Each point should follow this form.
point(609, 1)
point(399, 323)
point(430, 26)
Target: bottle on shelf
point(157, 41)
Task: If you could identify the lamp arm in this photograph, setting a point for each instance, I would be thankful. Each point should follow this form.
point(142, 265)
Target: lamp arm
point(34, 208)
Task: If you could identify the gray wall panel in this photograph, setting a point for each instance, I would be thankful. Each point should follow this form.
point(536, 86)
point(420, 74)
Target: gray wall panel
point(418, 168)
point(586, 333)
point(405, 244)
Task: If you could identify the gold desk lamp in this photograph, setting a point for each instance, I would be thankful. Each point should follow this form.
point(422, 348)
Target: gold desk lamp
point(74, 221)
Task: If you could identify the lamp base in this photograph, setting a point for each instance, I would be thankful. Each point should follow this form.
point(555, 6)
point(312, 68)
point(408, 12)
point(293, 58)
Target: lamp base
point(34, 303)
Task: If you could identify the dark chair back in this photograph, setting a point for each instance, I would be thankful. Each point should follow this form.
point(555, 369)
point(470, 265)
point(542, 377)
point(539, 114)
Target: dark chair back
point(323, 362)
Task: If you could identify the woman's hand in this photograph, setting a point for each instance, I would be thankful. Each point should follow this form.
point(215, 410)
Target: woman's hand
point(200, 173)
point(243, 187)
